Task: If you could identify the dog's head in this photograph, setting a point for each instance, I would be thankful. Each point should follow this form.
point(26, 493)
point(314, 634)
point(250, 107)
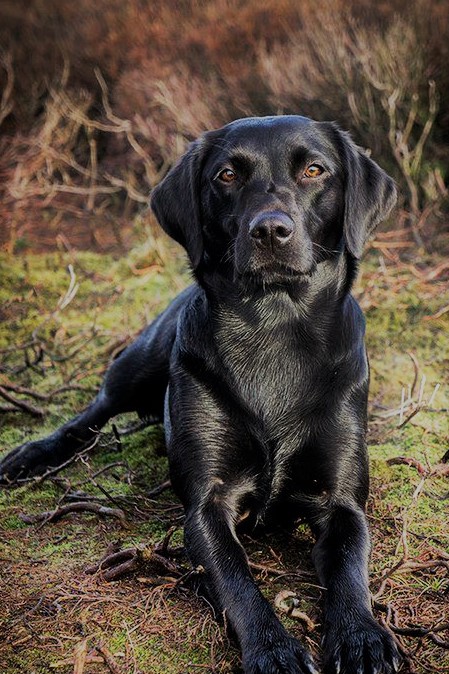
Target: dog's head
point(270, 198)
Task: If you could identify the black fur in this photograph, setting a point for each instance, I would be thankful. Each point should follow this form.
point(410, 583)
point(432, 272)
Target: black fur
point(260, 374)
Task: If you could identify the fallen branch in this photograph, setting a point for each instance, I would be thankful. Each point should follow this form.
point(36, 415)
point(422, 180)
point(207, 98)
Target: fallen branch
point(420, 631)
point(162, 547)
point(117, 563)
point(77, 507)
point(439, 470)
point(22, 404)
point(159, 489)
point(109, 496)
point(273, 571)
point(411, 405)
point(136, 427)
point(409, 461)
point(38, 352)
point(47, 397)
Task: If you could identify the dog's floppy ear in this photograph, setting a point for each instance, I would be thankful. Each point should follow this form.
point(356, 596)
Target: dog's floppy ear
point(176, 202)
point(370, 195)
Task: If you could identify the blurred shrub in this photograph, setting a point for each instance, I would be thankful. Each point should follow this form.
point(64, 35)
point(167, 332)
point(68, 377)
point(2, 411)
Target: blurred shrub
point(376, 82)
point(99, 98)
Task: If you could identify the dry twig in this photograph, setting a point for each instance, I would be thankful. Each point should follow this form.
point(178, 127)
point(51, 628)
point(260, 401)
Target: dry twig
point(118, 563)
point(76, 507)
point(289, 603)
point(109, 659)
point(439, 470)
point(21, 405)
point(50, 472)
point(79, 657)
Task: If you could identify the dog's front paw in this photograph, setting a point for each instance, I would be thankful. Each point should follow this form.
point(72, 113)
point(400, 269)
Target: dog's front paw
point(360, 647)
point(286, 656)
point(23, 461)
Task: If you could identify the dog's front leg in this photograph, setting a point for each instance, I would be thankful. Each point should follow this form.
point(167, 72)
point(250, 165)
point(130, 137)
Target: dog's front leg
point(212, 543)
point(353, 641)
point(217, 468)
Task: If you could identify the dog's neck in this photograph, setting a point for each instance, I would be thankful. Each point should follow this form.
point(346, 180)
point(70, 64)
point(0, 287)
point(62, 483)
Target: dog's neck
point(313, 314)
point(326, 287)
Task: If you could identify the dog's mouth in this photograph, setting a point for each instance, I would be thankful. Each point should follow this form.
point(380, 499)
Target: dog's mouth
point(274, 272)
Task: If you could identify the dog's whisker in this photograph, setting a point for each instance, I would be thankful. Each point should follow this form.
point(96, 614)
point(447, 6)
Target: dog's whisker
point(228, 255)
point(326, 250)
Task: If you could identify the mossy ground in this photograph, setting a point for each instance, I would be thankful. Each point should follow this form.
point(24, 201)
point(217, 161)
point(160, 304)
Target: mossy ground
point(50, 606)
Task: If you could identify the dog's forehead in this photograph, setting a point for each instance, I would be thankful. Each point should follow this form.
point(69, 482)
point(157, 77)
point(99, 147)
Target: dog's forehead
point(275, 136)
point(265, 124)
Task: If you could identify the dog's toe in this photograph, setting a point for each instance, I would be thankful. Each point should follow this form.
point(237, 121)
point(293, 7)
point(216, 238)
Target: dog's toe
point(363, 647)
point(285, 657)
point(28, 459)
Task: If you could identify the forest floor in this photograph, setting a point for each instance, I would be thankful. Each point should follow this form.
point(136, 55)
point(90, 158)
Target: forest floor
point(63, 316)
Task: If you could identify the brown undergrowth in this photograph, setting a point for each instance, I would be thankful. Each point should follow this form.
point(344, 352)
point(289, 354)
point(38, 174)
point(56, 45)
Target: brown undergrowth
point(114, 92)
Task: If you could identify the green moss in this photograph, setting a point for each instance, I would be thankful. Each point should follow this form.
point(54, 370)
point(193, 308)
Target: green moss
point(12, 522)
point(111, 304)
point(33, 660)
point(154, 656)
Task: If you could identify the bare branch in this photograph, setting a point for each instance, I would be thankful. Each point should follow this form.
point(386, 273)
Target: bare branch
point(76, 507)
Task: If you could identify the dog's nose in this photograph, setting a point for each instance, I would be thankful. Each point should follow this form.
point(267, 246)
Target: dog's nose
point(272, 229)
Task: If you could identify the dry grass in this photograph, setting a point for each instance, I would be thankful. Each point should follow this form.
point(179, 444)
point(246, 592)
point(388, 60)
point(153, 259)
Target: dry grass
point(114, 92)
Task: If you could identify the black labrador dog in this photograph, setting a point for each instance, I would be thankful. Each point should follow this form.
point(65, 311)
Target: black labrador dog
point(260, 375)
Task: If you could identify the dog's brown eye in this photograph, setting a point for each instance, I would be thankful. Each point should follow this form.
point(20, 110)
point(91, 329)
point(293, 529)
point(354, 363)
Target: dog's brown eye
point(313, 171)
point(227, 175)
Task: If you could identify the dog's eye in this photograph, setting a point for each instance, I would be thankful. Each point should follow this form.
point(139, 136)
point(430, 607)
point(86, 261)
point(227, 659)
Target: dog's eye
point(227, 175)
point(313, 171)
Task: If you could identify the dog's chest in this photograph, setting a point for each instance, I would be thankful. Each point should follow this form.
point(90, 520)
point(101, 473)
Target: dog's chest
point(282, 383)
point(267, 366)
